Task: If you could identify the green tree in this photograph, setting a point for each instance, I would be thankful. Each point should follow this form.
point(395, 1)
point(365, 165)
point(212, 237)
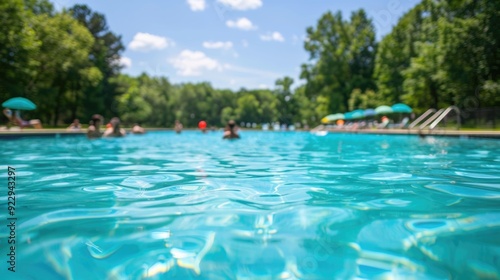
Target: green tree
point(424, 77)
point(105, 55)
point(442, 53)
point(306, 107)
point(227, 114)
point(19, 46)
point(63, 63)
point(394, 55)
point(342, 55)
point(269, 111)
point(248, 109)
point(364, 100)
point(469, 44)
point(132, 106)
point(287, 105)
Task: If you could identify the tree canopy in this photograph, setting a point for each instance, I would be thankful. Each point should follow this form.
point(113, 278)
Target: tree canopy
point(440, 53)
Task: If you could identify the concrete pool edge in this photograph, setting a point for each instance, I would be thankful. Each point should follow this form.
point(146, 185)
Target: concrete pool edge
point(6, 134)
point(423, 133)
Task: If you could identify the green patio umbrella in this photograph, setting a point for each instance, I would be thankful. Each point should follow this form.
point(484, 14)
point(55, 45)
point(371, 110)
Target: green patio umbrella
point(332, 118)
point(380, 110)
point(401, 108)
point(19, 103)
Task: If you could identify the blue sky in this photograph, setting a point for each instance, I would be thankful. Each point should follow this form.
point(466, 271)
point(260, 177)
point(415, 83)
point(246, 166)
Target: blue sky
point(229, 43)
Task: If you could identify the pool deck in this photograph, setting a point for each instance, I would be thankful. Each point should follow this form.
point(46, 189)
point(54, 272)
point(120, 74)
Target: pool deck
point(437, 132)
point(50, 132)
point(423, 133)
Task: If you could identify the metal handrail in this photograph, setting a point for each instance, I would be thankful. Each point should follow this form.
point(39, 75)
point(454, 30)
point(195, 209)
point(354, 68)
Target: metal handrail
point(422, 117)
point(431, 119)
point(446, 112)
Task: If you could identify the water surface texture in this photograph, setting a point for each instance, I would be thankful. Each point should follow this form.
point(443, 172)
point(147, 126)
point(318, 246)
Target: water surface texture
point(273, 205)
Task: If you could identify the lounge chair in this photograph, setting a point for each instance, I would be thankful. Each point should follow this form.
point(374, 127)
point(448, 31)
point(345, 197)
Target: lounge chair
point(403, 124)
point(16, 120)
point(384, 124)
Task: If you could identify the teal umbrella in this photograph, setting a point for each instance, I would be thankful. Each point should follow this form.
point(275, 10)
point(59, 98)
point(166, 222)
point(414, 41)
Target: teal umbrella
point(332, 118)
point(19, 103)
point(348, 116)
point(401, 108)
point(358, 114)
point(380, 110)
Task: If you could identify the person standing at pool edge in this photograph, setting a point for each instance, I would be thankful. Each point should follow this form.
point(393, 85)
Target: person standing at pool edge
point(230, 132)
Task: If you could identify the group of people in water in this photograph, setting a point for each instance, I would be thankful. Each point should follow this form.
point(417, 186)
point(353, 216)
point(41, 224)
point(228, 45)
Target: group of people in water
point(113, 128)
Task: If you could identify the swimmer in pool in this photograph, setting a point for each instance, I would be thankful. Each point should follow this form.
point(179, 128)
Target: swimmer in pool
point(178, 126)
point(94, 130)
point(138, 129)
point(115, 130)
point(75, 126)
point(231, 131)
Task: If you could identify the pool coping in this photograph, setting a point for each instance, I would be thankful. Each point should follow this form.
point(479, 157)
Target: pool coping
point(423, 133)
point(437, 132)
point(54, 132)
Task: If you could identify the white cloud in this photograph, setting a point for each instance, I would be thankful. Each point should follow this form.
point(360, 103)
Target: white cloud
point(263, 86)
point(242, 23)
point(218, 45)
point(192, 63)
point(147, 42)
point(242, 4)
point(125, 62)
point(274, 36)
point(197, 5)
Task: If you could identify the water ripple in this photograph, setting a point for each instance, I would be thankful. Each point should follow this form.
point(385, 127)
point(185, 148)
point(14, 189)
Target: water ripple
point(465, 191)
point(273, 205)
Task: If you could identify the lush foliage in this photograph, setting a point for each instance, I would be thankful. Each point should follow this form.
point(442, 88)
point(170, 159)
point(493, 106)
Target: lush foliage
point(440, 53)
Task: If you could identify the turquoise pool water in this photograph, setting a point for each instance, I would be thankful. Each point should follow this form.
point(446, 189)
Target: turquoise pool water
point(273, 205)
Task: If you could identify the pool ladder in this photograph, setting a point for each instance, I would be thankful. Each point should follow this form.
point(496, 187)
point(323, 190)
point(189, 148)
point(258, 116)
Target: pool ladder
point(435, 119)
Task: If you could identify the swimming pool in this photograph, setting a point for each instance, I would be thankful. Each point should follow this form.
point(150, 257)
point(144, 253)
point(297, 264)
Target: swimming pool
point(273, 205)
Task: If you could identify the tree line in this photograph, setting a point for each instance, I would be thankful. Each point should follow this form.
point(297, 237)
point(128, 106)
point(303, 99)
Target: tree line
point(440, 53)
